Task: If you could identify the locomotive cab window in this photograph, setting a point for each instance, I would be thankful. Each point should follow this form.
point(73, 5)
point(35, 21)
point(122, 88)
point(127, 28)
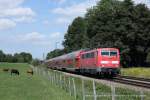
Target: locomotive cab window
point(105, 53)
point(113, 53)
point(109, 53)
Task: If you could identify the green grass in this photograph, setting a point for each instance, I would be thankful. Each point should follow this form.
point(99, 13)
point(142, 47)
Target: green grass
point(27, 87)
point(136, 72)
point(102, 89)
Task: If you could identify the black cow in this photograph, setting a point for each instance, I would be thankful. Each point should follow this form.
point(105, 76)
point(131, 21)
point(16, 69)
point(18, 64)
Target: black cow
point(14, 71)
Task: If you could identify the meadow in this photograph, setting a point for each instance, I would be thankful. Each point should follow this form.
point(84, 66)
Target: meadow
point(38, 87)
point(136, 72)
point(27, 87)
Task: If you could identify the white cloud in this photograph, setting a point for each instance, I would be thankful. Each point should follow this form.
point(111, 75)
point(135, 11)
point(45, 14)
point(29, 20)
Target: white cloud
point(75, 9)
point(58, 1)
point(36, 38)
point(46, 22)
point(14, 13)
point(8, 4)
point(63, 20)
point(24, 19)
point(33, 36)
point(147, 2)
point(6, 24)
point(67, 14)
point(55, 35)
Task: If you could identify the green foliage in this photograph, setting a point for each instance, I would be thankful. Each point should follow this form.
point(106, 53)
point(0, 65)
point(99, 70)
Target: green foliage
point(76, 35)
point(148, 58)
point(2, 56)
point(55, 53)
point(22, 57)
point(36, 62)
point(120, 24)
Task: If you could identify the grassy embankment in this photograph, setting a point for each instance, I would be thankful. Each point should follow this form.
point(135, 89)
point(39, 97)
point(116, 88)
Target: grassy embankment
point(136, 72)
point(105, 92)
point(27, 87)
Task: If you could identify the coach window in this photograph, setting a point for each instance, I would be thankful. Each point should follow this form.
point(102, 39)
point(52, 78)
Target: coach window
point(92, 55)
point(85, 56)
point(89, 55)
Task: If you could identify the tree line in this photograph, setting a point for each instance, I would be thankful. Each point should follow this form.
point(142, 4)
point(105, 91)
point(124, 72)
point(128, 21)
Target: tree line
point(22, 57)
point(112, 23)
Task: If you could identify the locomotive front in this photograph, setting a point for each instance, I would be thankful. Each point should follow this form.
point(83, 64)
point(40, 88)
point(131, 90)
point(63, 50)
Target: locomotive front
point(109, 61)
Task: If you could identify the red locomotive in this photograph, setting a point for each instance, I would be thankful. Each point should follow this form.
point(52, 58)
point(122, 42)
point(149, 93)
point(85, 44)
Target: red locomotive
point(102, 61)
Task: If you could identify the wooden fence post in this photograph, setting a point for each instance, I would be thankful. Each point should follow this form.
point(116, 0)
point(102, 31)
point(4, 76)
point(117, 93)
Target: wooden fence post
point(142, 95)
point(74, 88)
point(113, 92)
point(65, 83)
point(69, 87)
point(83, 90)
point(60, 81)
point(94, 91)
point(52, 77)
point(55, 78)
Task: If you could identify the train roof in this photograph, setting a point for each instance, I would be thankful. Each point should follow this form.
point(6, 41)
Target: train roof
point(76, 53)
point(66, 56)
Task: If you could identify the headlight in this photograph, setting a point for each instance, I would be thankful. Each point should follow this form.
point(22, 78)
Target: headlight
point(104, 62)
point(115, 62)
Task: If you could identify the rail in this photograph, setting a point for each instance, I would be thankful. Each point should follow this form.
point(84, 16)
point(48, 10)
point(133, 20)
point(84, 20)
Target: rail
point(142, 82)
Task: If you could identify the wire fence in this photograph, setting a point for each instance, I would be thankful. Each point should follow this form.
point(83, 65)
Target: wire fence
point(83, 89)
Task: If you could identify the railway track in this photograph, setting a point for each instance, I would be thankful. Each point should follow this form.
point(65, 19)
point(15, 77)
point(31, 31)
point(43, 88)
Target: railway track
point(142, 82)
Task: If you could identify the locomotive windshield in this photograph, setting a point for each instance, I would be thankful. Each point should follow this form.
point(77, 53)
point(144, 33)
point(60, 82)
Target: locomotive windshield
point(108, 53)
point(113, 53)
point(105, 53)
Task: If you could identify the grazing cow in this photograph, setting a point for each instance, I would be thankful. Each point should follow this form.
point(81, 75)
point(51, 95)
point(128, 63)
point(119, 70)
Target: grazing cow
point(15, 71)
point(30, 72)
point(5, 69)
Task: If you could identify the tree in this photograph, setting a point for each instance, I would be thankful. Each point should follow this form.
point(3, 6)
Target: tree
point(22, 57)
point(120, 24)
point(2, 56)
point(55, 53)
point(9, 58)
point(26, 56)
point(36, 62)
point(76, 35)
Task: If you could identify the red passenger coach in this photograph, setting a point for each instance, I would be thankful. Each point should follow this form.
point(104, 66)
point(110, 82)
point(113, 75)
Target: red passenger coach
point(70, 61)
point(102, 61)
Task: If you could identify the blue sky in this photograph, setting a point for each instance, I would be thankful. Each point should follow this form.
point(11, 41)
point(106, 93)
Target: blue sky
point(35, 26)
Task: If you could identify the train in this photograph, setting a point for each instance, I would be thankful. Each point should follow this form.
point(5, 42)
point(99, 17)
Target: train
point(99, 61)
